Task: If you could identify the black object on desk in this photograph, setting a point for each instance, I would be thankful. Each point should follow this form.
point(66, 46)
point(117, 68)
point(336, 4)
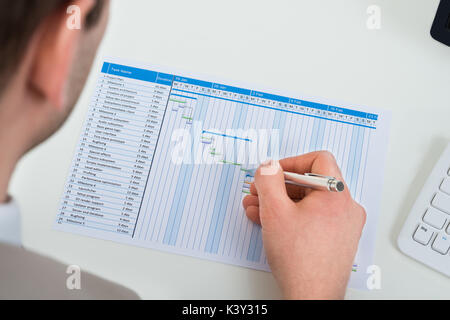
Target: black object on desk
point(440, 30)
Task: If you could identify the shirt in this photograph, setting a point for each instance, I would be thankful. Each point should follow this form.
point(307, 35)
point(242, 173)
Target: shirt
point(10, 228)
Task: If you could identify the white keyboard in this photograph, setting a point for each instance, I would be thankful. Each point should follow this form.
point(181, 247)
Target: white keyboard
point(426, 233)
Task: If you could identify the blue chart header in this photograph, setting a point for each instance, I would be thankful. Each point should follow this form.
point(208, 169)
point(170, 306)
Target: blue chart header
point(168, 79)
point(138, 74)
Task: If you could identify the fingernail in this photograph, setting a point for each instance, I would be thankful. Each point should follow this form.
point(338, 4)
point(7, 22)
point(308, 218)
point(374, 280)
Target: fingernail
point(270, 167)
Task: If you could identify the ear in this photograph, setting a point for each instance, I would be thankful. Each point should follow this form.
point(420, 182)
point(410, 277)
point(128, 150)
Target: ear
point(56, 49)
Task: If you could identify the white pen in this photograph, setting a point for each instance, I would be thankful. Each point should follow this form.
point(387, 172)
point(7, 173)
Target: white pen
point(315, 181)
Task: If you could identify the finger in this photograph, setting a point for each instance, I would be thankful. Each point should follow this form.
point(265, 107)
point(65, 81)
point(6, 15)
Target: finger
point(253, 190)
point(253, 214)
point(250, 200)
point(295, 192)
point(269, 182)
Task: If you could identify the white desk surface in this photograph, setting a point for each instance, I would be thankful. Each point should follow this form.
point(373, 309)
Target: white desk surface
point(316, 48)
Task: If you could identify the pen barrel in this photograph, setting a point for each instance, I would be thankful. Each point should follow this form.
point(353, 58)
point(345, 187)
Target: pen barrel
point(315, 182)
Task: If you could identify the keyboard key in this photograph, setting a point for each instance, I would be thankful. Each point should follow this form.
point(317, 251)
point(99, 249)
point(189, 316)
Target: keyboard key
point(423, 234)
point(445, 186)
point(435, 218)
point(441, 201)
point(441, 244)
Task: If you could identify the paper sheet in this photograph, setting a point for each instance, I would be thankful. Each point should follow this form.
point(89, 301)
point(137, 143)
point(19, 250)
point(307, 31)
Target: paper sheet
point(165, 158)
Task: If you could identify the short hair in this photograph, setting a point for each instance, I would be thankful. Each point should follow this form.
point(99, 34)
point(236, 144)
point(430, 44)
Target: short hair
point(19, 19)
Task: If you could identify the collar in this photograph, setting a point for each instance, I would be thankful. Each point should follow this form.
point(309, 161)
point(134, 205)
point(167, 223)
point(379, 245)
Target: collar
point(10, 226)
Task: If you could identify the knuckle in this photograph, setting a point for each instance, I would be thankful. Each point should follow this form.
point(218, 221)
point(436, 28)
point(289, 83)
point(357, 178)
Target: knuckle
point(327, 154)
point(245, 201)
point(354, 208)
point(328, 159)
point(363, 214)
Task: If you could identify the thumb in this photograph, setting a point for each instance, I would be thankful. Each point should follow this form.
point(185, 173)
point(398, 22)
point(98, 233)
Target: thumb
point(271, 188)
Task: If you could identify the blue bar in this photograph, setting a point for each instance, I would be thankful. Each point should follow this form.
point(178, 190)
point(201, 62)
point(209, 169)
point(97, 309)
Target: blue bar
point(309, 104)
point(315, 130)
point(315, 105)
point(269, 96)
point(164, 78)
point(372, 116)
point(180, 95)
point(194, 82)
point(130, 72)
point(226, 136)
point(296, 101)
point(358, 156)
point(105, 67)
point(273, 108)
point(255, 249)
point(348, 112)
point(231, 89)
point(177, 208)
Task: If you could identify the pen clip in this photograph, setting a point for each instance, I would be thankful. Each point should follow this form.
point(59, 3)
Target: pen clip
point(319, 175)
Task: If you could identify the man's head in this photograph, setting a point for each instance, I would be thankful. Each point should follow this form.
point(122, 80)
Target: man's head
point(44, 63)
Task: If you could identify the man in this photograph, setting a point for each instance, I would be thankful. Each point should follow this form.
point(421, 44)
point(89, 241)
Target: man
point(43, 67)
point(310, 237)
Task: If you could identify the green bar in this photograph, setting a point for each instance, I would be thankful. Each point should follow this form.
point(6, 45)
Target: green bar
point(175, 100)
point(187, 118)
point(233, 163)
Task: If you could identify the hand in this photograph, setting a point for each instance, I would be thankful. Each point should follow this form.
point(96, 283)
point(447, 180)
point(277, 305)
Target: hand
point(310, 236)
